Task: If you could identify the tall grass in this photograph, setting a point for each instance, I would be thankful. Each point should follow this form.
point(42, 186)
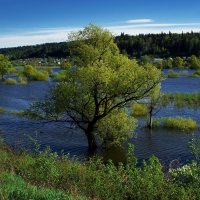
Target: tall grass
point(182, 100)
point(10, 81)
point(179, 123)
point(15, 187)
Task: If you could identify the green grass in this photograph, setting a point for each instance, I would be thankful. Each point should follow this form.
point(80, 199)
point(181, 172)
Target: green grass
point(10, 81)
point(15, 187)
point(139, 110)
point(177, 123)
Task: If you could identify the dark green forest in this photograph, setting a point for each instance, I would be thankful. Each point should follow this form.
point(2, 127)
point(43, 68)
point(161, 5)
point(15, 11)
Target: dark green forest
point(157, 45)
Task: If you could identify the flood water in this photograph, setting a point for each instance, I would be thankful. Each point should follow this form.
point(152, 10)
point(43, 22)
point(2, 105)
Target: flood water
point(167, 145)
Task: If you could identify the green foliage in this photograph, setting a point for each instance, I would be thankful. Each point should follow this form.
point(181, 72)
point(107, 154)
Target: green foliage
point(178, 62)
point(182, 100)
point(65, 65)
point(179, 123)
point(173, 74)
point(186, 174)
point(5, 66)
point(196, 74)
point(22, 80)
point(99, 81)
point(14, 187)
point(31, 73)
point(194, 62)
point(40, 76)
point(194, 146)
point(58, 77)
point(116, 128)
point(10, 81)
point(168, 63)
point(139, 110)
point(161, 45)
point(145, 60)
point(45, 176)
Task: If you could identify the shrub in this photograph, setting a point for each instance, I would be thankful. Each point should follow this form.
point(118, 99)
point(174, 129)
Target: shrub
point(32, 74)
point(10, 81)
point(40, 76)
point(186, 174)
point(58, 76)
point(173, 74)
point(22, 80)
point(139, 110)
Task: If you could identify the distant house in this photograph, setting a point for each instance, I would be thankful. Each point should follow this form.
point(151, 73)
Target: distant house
point(157, 60)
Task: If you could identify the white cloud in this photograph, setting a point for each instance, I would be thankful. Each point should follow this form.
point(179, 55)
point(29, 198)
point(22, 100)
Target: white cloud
point(155, 28)
point(132, 21)
point(39, 36)
point(59, 34)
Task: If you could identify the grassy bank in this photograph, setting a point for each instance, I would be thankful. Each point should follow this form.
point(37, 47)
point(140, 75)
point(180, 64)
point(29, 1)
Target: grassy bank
point(46, 176)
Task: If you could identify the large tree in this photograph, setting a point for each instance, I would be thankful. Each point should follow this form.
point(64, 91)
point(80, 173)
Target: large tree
point(99, 84)
point(5, 66)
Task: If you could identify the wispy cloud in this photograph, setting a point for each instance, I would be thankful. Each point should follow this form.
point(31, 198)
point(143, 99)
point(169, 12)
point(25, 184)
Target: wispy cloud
point(59, 34)
point(135, 21)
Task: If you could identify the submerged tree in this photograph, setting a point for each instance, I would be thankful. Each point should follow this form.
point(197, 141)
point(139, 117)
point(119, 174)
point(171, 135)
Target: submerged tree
point(99, 84)
point(153, 105)
point(5, 66)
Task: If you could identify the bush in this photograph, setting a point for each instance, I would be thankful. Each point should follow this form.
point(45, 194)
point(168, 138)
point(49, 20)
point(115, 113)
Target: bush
point(10, 81)
point(58, 76)
point(40, 76)
point(186, 174)
point(139, 110)
point(32, 74)
point(22, 80)
point(179, 123)
point(173, 74)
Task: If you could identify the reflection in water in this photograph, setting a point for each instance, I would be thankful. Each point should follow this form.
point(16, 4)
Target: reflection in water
point(166, 144)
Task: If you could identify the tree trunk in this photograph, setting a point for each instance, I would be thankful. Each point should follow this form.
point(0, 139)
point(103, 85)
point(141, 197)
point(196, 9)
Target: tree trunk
point(92, 145)
point(150, 123)
point(2, 77)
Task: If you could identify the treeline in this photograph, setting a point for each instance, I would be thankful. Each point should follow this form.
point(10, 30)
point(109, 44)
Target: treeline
point(157, 45)
point(54, 50)
point(160, 45)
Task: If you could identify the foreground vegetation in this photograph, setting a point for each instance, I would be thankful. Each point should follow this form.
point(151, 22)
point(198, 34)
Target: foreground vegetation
point(46, 176)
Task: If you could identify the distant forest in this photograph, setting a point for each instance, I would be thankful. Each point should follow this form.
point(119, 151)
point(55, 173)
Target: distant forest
point(157, 45)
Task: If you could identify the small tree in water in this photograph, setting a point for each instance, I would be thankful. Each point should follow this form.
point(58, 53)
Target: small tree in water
point(5, 66)
point(99, 84)
point(154, 105)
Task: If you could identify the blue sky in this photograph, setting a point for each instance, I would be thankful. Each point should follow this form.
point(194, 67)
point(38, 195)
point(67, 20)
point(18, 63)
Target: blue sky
point(27, 22)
